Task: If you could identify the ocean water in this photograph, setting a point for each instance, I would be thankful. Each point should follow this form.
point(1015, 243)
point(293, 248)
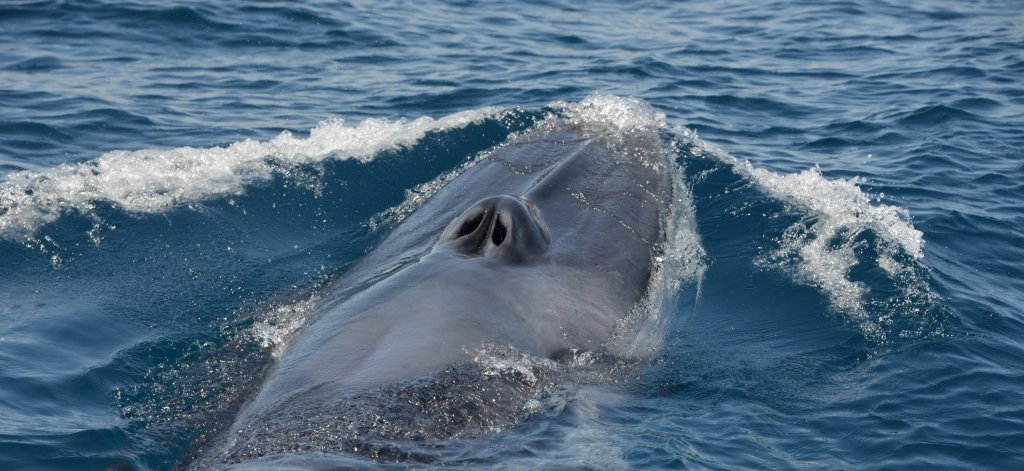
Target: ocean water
point(842, 286)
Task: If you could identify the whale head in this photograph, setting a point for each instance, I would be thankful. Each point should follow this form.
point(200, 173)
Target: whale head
point(541, 247)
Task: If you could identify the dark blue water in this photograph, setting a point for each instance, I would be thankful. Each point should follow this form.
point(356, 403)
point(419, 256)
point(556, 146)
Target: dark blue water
point(178, 182)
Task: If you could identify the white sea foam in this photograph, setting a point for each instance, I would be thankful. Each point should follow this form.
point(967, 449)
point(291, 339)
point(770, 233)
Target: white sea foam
point(151, 181)
point(841, 204)
point(823, 249)
point(825, 252)
point(609, 113)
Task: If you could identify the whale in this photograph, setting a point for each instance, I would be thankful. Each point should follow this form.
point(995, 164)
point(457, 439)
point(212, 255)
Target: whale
point(541, 245)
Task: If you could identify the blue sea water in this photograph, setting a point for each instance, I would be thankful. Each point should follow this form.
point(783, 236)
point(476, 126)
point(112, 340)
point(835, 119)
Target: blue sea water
point(179, 180)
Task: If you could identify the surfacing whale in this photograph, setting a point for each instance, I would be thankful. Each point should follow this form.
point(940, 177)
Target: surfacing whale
point(541, 246)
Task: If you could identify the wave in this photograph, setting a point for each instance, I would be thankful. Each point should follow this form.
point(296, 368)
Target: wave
point(865, 256)
point(153, 180)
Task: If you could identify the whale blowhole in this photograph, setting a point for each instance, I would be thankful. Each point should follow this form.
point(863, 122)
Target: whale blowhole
point(499, 232)
point(470, 225)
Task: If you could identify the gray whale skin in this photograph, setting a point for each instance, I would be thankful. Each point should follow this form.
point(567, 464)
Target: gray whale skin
point(543, 245)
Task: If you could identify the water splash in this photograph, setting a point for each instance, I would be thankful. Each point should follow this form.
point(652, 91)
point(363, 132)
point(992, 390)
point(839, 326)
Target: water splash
point(608, 113)
point(682, 262)
point(842, 231)
point(841, 204)
point(153, 181)
point(277, 325)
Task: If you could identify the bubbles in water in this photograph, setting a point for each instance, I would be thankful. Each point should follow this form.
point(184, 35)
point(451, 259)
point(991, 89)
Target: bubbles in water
point(273, 330)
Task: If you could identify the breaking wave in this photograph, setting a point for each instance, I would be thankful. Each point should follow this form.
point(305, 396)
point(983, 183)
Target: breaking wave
point(151, 181)
point(865, 256)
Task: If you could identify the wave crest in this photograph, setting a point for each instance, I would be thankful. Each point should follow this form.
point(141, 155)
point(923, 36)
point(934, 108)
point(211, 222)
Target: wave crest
point(152, 181)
